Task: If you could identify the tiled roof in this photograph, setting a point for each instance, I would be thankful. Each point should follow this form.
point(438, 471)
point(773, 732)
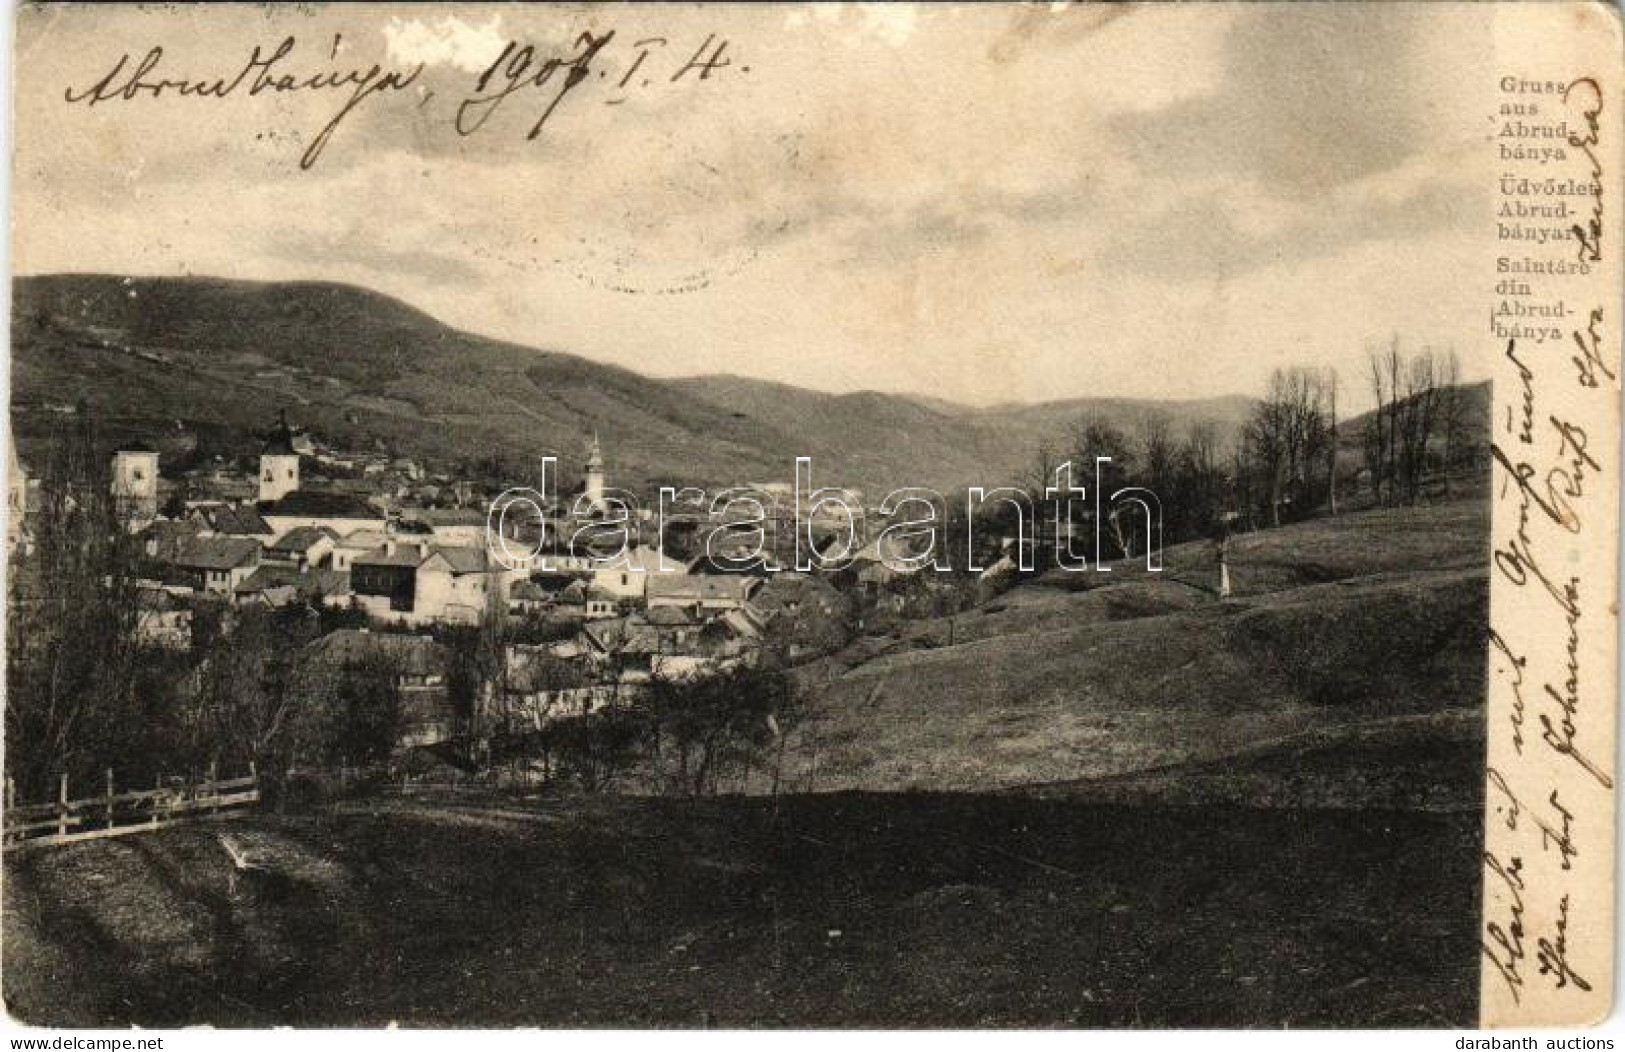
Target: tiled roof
point(234, 519)
point(554, 580)
point(166, 536)
point(463, 560)
point(216, 553)
point(366, 540)
point(450, 516)
point(669, 617)
point(307, 582)
point(700, 587)
point(393, 554)
point(785, 589)
point(322, 505)
point(302, 538)
point(623, 635)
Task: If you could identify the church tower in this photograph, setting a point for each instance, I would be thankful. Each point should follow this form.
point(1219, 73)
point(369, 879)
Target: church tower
point(593, 480)
point(135, 484)
point(279, 463)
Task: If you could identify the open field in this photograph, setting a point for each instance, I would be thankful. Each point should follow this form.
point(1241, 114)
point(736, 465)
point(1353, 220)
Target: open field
point(850, 910)
point(1335, 625)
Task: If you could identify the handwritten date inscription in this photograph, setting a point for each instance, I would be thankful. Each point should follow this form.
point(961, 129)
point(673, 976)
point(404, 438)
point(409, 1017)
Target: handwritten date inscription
point(520, 69)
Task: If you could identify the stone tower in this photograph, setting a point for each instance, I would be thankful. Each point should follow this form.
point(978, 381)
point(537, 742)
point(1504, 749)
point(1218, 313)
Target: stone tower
point(279, 463)
point(135, 483)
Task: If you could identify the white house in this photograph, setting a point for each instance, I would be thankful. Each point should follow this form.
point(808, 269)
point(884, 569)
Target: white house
point(303, 547)
point(629, 577)
point(355, 544)
point(453, 585)
point(702, 595)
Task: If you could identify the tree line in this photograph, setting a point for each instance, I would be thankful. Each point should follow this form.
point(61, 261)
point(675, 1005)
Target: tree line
point(89, 690)
point(1282, 463)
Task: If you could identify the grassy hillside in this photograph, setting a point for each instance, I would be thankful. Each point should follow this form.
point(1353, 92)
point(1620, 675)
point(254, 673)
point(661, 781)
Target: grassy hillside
point(224, 356)
point(1367, 621)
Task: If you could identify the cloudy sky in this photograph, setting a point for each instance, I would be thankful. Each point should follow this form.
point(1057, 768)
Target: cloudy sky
point(982, 204)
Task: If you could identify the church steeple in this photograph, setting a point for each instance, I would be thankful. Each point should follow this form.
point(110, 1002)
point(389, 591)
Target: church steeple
point(593, 476)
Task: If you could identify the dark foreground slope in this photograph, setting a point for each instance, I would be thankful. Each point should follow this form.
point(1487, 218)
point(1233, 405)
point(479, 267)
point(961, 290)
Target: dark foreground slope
point(848, 910)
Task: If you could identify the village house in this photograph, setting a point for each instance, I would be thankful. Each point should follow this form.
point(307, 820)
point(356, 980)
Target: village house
point(796, 595)
point(529, 597)
point(629, 577)
point(231, 520)
point(384, 580)
point(162, 619)
point(216, 484)
point(303, 547)
point(702, 595)
point(630, 651)
point(417, 666)
point(282, 584)
point(455, 527)
point(163, 538)
point(583, 601)
point(544, 682)
point(412, 582)
point(454, 585)
point(347, 548)
point(875, 565)
point(214, 565)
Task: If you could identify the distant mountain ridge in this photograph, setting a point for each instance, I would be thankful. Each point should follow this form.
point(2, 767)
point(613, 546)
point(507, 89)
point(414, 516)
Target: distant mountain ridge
point(353, 365)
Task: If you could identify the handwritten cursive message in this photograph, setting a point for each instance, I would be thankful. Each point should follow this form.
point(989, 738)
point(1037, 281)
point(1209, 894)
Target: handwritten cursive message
point(1546, 931)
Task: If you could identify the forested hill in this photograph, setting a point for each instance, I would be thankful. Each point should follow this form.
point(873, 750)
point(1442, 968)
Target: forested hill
point(149, 355)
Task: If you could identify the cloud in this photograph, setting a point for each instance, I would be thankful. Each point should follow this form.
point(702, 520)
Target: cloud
point(301, 246)
point(1096, 190)
point(1311, 97)
point(1211, 236)
point(890, 23)
point(448, 42)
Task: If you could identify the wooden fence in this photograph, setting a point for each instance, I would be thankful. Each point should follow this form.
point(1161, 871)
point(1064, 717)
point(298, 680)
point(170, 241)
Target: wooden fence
point(114, 814)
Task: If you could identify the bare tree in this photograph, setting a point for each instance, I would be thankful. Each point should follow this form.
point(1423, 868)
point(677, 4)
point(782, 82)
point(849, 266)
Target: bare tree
point(1286, 435)
point(73, 649)
point(1091, 438)
point(1452, 411)
point(1417, 397)
point(1201, 482)
point(1417, 416)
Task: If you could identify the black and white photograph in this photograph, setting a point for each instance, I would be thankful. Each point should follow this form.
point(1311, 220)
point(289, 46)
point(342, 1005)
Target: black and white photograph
point(811, 516)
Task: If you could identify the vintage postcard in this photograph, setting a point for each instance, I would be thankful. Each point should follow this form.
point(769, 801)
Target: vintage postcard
point(813, 515)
